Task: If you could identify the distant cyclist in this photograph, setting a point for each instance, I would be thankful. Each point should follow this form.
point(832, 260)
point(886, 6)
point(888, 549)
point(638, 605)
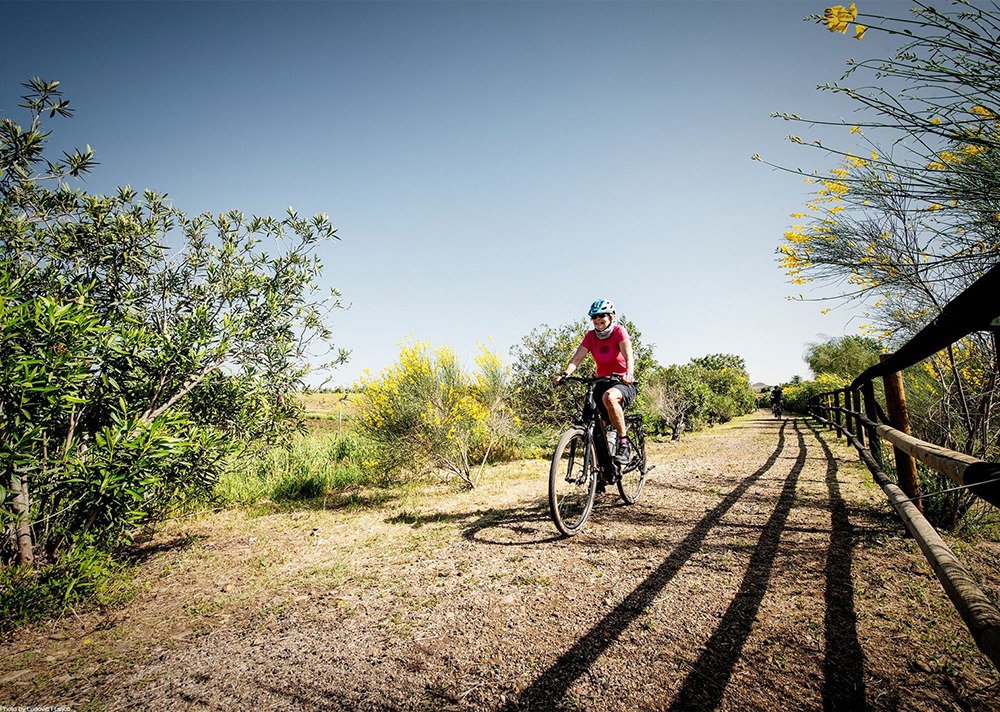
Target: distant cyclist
point(611, 347)
point(777, 401)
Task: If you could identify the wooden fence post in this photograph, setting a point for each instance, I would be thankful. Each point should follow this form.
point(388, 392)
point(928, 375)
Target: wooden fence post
point(859, 428)
point(871, 410)
point(848, 420)
point(995, 330)
point(895, 404)
point(838, 417)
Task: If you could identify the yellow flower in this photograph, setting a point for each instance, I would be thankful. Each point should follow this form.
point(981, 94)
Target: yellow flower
point(838, 18)
point(936, 121)
point(859, 31)
point(836, 187)
point(856, 129)
point(983, 111)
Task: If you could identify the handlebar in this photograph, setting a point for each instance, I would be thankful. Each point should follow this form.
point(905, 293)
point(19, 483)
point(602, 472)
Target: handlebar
point(590, 379)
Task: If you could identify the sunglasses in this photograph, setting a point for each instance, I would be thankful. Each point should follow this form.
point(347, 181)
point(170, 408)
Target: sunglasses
point(600, 316)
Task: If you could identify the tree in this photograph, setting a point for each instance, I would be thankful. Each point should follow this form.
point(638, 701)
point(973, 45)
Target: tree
point(731, 395)
point(718, 362)
point(845, 356)
point(908, 226)
point(132, 373)
point(909, 215)
point(544, 353)
point(710, 389)
point(675, 398)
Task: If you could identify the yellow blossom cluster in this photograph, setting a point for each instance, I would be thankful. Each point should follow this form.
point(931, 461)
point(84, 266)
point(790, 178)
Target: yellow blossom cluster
point(429, 405)
point(967, 360)
point(804, 245)
point(973, 142)
point(839, 18)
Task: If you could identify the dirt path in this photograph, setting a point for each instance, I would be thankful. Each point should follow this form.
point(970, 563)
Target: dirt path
point(760, 571)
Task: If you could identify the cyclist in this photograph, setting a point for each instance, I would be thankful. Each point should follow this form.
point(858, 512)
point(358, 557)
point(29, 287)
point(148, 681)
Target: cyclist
point(611, 347)
point(777, 399)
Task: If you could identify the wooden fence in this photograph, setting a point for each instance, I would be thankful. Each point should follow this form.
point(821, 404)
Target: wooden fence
point(856, 415)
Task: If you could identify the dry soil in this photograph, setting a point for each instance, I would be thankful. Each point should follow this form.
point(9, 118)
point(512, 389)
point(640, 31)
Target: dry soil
point(761, 570)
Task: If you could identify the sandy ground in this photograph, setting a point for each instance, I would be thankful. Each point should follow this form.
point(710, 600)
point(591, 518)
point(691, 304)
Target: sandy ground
point(761, 570)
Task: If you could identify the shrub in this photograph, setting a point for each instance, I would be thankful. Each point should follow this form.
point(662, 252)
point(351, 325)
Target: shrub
point(797, 395)
point(427, 412)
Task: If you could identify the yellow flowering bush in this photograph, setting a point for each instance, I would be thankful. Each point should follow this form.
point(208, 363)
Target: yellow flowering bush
point(797, 395)
point(427, 413)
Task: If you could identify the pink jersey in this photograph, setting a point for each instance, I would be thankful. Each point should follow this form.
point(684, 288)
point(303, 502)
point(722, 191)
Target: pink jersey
point(607, 352)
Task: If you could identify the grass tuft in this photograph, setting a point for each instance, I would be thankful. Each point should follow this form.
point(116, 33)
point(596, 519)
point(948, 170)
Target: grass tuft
point(315, 465)
point(83, 577)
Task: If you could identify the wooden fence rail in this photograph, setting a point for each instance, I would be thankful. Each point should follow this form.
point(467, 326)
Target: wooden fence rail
point(855, 414)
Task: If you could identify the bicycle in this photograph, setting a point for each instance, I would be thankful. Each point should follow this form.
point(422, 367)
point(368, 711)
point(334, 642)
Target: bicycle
point(776, 409)
point(583, 458)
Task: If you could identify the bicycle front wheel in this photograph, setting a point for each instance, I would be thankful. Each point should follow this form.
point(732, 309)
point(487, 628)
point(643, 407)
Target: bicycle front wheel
point(572, 482)
point(633, 477)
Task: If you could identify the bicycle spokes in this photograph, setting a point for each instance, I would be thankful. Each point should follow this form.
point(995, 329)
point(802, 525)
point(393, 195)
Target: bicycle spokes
point(572, 482)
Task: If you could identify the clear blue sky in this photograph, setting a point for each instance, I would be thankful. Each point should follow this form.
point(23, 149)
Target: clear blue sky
point(490, 166)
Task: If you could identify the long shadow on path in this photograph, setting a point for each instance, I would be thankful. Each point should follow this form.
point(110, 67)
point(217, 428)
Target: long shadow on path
point(843, 664)
point(550, 688)
point(705, 684)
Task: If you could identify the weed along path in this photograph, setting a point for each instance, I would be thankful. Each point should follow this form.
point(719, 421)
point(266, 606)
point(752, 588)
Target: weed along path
point(761, 570)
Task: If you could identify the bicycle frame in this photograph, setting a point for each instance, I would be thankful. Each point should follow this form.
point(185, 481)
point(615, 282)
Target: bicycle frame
point(594, 423)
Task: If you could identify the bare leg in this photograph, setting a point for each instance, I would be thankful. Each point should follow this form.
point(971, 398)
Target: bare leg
point(613, 403)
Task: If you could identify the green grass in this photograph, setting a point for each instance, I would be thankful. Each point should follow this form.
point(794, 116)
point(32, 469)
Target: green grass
point(316, 464)
point(82, 578)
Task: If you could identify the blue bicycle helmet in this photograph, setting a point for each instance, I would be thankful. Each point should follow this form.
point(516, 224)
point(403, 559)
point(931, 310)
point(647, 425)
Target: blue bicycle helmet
point(601, 306)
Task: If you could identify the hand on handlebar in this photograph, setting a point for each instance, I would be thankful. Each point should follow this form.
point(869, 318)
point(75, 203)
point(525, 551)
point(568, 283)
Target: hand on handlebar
point(560, 379)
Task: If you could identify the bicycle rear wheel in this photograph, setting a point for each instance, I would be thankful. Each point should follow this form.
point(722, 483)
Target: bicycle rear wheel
point(572, 482)
point(633, 477)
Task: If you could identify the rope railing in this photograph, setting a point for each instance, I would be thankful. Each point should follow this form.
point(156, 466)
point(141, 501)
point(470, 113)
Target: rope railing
point(856, 415)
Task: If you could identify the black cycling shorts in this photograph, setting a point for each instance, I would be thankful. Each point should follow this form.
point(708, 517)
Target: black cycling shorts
point(627, 390)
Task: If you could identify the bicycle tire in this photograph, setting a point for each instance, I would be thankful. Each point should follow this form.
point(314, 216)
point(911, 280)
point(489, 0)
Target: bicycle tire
point(572, 482)
point(633, 476)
